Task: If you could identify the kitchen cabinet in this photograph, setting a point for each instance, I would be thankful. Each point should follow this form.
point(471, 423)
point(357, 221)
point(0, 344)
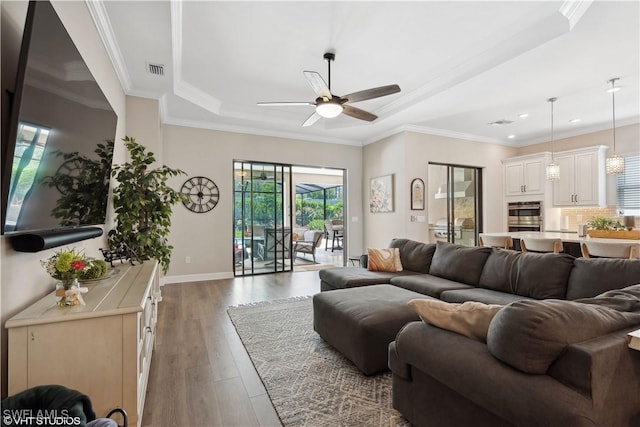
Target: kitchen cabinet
point(582, 177)
point(524, 175)
point(102, 348)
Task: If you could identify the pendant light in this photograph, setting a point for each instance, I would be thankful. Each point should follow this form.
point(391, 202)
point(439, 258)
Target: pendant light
point(553, 170)
point(614, 164)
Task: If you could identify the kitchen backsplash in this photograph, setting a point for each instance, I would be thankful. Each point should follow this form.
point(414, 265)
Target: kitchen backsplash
point(574, 215)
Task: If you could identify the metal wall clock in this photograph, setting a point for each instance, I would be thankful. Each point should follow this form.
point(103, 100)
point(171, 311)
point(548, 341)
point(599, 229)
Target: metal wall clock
point(201, 193)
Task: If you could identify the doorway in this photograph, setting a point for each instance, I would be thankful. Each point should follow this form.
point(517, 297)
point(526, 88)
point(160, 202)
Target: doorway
point(262, 234)
point(455, 208)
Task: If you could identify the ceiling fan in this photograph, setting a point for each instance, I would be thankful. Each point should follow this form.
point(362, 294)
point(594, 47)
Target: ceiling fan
point(329, 105)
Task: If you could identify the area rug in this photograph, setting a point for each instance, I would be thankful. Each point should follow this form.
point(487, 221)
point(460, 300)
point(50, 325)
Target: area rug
point(310, 383)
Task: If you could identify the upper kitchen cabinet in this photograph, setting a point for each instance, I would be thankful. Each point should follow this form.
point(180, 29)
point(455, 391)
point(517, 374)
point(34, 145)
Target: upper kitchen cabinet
point(525, 175)
point(582, 177)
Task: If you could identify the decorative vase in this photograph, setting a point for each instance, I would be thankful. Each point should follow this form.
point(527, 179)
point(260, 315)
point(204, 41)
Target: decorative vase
point(67, 292)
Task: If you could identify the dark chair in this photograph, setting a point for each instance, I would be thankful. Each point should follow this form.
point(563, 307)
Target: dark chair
point(54, 399)
point(277, 245)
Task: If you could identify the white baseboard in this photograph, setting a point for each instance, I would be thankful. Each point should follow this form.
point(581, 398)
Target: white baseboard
point(195, 277)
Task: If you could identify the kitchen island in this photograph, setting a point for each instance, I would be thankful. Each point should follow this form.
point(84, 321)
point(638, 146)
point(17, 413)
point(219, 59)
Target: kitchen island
point(570, 241)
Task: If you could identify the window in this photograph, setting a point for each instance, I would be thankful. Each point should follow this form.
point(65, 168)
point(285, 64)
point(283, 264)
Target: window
point(628, 186)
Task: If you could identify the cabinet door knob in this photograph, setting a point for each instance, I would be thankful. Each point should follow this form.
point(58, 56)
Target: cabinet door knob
point(525, 188)
point(576, 198)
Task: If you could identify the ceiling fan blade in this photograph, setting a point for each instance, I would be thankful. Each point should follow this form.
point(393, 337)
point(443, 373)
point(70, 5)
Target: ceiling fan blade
point(284, 104)
point(358, 113)
point(317, 84)
point(311, 120)
point(375, 92)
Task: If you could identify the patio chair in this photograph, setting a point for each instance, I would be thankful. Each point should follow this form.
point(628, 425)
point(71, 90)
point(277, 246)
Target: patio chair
point(335, 232)
point(311, 240)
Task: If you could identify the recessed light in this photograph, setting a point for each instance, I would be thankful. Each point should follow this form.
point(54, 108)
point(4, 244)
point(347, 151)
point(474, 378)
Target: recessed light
point(574, 120)
point(524, 115)
point(511, 136)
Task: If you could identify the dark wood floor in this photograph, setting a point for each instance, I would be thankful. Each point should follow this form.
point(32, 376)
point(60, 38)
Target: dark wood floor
point(201, 374)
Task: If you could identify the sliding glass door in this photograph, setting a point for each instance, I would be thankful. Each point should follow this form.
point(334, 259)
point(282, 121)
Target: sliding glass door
point(262, 237)
point(455, 203)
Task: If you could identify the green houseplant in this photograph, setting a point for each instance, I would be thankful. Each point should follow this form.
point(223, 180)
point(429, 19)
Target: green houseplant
point(604, 223)
point(143, 204)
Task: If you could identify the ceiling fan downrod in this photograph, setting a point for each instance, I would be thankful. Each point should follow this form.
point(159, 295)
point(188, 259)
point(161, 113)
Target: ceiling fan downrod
point(329, 56)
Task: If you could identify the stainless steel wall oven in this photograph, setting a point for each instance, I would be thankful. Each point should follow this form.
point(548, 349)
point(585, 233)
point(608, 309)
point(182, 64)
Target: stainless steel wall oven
point(525, 216)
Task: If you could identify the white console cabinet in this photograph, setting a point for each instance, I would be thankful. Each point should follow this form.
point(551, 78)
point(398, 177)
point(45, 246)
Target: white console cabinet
point(102, 349)
point(582, 177)
point(524, 175)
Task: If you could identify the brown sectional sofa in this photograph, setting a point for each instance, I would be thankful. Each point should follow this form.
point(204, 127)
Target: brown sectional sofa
point(590, 377)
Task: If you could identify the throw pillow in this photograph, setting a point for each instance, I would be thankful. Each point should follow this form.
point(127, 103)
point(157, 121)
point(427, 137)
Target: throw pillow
point(470, 318)
point(387, 259)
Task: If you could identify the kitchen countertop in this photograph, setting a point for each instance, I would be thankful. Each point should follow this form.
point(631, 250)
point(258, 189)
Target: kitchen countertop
point(565, 237)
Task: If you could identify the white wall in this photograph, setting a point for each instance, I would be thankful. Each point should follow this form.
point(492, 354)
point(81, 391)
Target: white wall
point(207, 238)
point(407, 156)
point(23, 280)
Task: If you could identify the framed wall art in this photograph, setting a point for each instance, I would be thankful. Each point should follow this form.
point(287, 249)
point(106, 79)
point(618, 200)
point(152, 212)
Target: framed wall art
point(381, 194)
point(417, 194)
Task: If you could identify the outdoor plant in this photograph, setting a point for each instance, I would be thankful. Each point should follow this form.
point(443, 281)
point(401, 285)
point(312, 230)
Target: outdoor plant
point(143, 204)
point(604, 223)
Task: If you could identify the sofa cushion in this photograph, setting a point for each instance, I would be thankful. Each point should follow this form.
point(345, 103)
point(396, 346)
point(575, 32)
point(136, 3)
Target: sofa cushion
point(590, 277)
point(470, 319)
point(459, 263)
point(530, 335)
point(386, 259)
point(351, 277)
point(427, 284)
point(485, 296)
point(415, 256)
point(534, 275)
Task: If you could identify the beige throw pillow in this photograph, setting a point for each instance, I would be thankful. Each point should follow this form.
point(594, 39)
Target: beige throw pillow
point(387, 259)
point(470, 318)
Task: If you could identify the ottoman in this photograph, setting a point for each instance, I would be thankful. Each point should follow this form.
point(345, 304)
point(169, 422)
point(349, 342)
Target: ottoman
point(361, 322)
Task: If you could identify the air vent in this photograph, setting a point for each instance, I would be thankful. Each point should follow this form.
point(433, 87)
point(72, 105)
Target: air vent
point(501, 122)
point(157, 69)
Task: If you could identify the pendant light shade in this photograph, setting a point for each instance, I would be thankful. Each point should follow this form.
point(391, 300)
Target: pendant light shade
point(553, 170)
point(614, 164)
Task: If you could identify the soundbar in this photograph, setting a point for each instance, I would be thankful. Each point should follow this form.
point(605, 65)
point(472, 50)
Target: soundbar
point(39, 241)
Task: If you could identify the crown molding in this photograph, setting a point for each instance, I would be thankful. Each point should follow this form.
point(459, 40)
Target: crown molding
point(103, 25)
point(573, 10)
point(259, 132)
point(180, 87)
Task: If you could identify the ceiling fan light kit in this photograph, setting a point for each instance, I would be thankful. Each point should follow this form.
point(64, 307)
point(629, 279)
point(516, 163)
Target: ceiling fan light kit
point(329, 109)
point(329, 105)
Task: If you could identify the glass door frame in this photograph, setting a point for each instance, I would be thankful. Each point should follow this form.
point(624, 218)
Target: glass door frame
point(478, 209)
point(251, 258)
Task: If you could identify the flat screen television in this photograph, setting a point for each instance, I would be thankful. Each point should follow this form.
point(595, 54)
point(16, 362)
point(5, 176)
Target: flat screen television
point(58, 154)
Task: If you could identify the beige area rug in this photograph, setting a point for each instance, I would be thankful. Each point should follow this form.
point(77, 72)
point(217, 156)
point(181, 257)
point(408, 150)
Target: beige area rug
point(310, 383)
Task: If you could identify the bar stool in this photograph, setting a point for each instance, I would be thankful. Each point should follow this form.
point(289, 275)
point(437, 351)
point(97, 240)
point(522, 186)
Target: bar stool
point(504, 242)
point(609, 250)
point(528, 244)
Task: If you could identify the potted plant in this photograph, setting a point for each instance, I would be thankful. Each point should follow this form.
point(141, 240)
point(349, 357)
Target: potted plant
point(604, 227)
point(143, 204)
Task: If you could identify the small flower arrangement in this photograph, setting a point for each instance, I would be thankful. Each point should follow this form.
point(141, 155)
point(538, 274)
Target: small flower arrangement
point(67, 265)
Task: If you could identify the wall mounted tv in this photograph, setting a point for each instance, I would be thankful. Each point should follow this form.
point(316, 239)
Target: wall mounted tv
point(59, 150)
